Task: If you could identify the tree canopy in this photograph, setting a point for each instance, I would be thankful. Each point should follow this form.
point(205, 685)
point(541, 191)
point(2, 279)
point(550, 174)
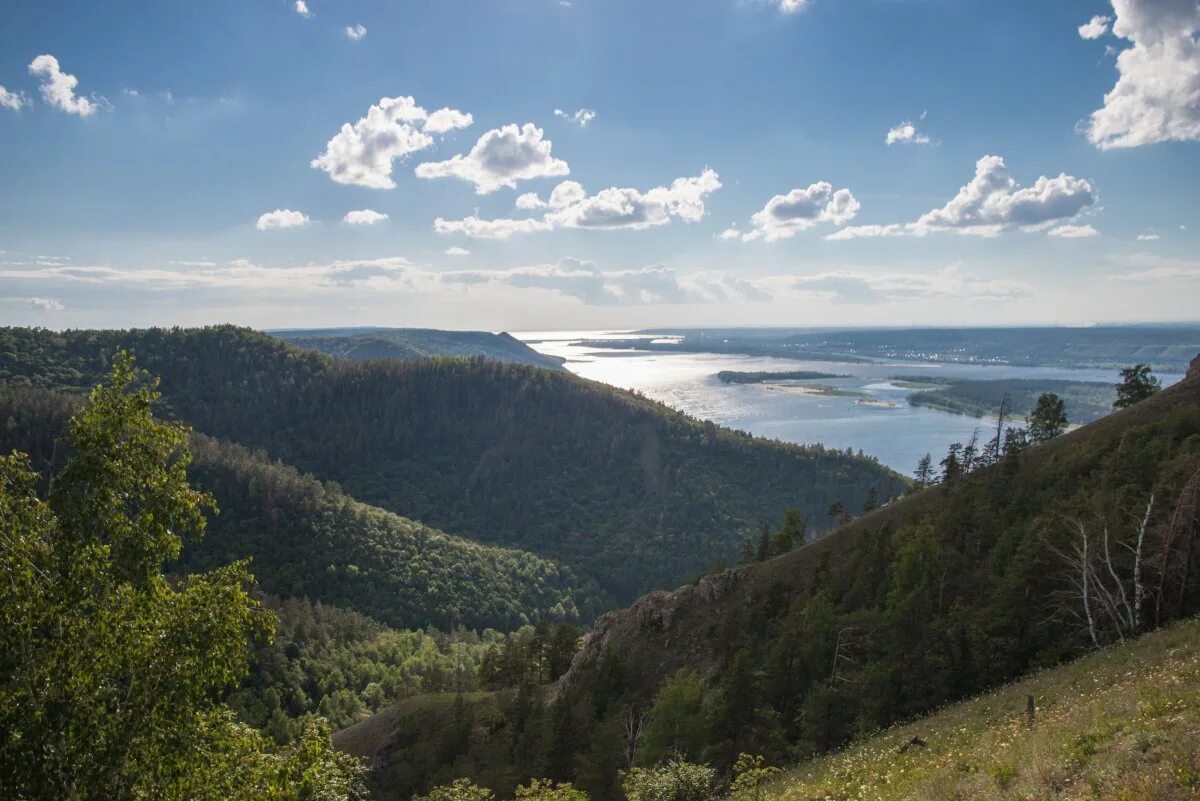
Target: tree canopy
point(108, 669)
point(1137, 384)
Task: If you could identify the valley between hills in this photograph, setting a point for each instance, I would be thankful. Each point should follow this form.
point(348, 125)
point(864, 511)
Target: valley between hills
point(483, 573)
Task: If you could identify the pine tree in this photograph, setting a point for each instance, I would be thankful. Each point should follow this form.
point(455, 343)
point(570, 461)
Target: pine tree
point(1137, 384)
point(1049, 418)
point(924, 472)
point(764, 544)
point(951, 466)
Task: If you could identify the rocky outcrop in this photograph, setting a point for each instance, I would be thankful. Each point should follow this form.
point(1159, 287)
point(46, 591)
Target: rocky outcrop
point(651, 625)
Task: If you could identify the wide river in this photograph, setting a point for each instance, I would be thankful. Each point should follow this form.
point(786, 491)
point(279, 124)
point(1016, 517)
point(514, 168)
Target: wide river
point(885, 426)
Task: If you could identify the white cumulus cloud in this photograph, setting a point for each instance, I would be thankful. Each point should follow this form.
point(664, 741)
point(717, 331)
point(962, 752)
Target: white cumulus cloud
point(280, 218)
point(1094, 28)
point(354, 32)
point(581, 117)
point(561, 196)
point(800, 209)
point(302, 8)
point(58, 87)
point(907, 133)
point(500, 158)
point(362, 154)
point(992, 203)
point(614, 208)
point(457, 251)
point(12, 100)
point(364, 217)
point(1157, 94)
point(489, 229)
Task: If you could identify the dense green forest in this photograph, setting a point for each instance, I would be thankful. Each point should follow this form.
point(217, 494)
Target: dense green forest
point(416, 343)
point(343, 666)
point(308, 539)
point(614, 486)
point(950, 591)
point(1085, 401)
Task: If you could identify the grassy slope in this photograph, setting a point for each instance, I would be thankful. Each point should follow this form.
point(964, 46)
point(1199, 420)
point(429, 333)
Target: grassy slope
point(1120, 724)
point(367, 737)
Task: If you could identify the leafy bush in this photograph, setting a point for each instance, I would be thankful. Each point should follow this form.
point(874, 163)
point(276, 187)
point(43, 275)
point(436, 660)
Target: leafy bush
point(670, 781)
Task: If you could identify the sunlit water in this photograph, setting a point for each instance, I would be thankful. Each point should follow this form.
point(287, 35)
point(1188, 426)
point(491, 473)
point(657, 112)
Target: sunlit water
point(886, 427)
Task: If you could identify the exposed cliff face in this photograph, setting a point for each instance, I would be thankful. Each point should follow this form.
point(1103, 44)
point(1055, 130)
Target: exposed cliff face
point(666, 629)
point(1194, 368)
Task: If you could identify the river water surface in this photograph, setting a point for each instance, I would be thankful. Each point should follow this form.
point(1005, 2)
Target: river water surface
point(881, 424)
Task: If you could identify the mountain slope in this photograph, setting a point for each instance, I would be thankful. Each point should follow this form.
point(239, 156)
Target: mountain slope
point(417, 343)
point(929, 600)
point(614, 486)
point(946, 592)
point(308, 539)
point(1123, 723)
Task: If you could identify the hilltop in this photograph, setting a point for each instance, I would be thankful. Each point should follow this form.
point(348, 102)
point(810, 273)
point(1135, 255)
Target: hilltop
point(416, 343)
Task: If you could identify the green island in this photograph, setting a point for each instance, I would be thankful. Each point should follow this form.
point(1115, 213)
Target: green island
point(1085, 401)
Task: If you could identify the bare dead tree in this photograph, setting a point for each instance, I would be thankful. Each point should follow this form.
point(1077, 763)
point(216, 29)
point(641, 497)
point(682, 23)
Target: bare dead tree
point(1139, 588)
point(1005, 410)
point(633, 725)
point(845, 640)
point(1078, 560)
point(1097, 583)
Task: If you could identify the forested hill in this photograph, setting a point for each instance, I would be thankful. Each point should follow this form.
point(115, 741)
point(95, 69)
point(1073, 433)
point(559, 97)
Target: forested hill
point(417, 343)
point(308, 539)
point(615, 486)
point(938, 596)
point(949, 591)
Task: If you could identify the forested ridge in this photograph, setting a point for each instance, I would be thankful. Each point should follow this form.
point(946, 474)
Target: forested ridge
point(951, 591)
point(308, 539)
point(614, 486)
point(416, 343)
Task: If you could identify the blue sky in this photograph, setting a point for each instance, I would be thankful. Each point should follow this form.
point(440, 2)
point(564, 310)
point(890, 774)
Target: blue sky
point(745, 143)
